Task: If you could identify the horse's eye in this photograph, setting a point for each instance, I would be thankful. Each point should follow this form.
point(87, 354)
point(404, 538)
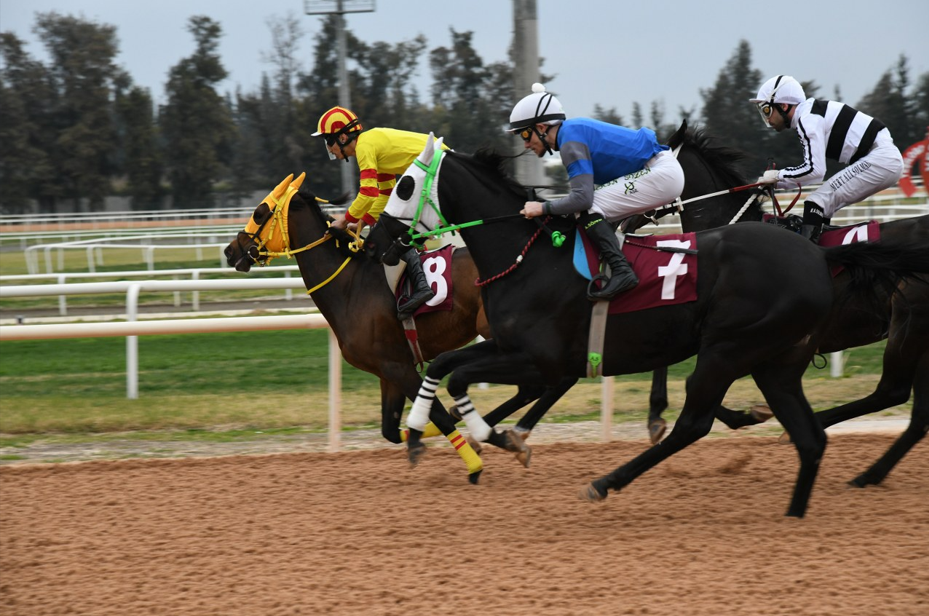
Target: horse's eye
point(405, 187)
point(262, 213)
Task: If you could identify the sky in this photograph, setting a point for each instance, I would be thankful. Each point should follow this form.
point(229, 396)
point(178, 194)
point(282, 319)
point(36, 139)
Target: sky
point(601, 52)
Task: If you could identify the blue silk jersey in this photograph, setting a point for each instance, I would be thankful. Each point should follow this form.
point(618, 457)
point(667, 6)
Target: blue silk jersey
point(611, 151)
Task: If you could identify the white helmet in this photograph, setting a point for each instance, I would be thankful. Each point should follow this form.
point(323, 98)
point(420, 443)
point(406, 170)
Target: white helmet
point(782, 89)
point(540, 107)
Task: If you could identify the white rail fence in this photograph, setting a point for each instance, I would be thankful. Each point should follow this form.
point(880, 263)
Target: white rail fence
point(193, 273)
point(882, 208)
point(133, 329)
point(132, 289)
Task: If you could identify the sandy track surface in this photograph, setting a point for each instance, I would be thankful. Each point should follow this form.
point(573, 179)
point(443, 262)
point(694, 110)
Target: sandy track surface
point(361, 533)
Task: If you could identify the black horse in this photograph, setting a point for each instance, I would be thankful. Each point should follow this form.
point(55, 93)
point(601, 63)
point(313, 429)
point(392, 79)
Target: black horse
point(710, 168)
point(353, 294)
point(741, 323)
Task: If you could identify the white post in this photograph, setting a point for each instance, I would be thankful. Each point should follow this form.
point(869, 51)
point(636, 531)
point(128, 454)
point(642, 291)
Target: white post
point(62, 299)
point(288, 293)
point(132, 344)
point(91, 266)
point(837, 364)
point(335, 393)
point(606, 408)
point(195, 296)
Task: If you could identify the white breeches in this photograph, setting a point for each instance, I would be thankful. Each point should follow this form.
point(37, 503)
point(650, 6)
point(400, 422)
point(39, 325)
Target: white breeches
point(659, 183)
point(880, 169)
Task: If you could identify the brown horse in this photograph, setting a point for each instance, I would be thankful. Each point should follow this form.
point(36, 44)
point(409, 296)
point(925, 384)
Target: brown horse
point(353, 294)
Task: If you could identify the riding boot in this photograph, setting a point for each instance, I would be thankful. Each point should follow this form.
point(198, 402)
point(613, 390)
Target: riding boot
point(813, 218)
point(420, 289)
point(621, 277)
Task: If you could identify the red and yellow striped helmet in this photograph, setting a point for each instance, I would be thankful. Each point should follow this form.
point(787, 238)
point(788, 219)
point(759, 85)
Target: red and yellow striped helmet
point(337, 121)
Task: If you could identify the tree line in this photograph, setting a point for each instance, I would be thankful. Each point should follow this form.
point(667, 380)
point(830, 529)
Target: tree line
point(77, 129)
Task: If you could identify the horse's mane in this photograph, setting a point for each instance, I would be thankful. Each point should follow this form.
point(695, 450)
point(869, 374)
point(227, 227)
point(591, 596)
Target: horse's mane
point(724, 159)
point(487, 160)
point(307, 199)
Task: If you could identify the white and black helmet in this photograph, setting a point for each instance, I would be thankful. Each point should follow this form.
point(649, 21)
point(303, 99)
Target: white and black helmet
point(782, 89)
point(540, 107)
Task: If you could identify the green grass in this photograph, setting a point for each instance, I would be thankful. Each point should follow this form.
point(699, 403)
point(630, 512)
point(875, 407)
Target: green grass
point(213, 385)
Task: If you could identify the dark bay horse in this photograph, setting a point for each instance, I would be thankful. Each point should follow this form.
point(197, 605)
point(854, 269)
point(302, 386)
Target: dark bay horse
point(903, 320)
point(741, 323)
point(354, 296)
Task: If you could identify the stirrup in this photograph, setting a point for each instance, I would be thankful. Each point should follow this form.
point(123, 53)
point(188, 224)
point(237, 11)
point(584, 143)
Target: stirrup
point(406, 310)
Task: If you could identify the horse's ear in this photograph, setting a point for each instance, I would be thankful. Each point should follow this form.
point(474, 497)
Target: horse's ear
point(277, 192)
point(438, 143)
point(296, 183)
point(678, 137)
point(426, 156)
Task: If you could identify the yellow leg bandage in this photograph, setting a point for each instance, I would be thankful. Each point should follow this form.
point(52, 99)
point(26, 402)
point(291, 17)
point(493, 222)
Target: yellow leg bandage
point(430, 431)
point(470, 457)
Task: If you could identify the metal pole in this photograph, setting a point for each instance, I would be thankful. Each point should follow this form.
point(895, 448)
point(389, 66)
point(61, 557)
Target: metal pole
point(348, 170)
point(335, 393)
point(606, 409)
point(526, 72)
point(132, 343)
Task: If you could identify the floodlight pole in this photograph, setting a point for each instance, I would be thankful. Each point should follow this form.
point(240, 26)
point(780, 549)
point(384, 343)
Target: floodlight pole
point(339, 8)
point(345, 100)
point(526, 72)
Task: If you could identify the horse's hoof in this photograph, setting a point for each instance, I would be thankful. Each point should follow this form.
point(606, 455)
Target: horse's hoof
point(591, 494)
point(474, 477)
point(517, 444)
point(415, 454)
point(761, 413)
point(523, 434)
point(453, 411)
point(784, 438)
point(656, 430)
point(475, 444)
point(862, 481)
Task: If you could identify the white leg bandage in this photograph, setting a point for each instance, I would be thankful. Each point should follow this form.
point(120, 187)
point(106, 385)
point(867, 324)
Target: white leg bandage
point(419, 414)
point(476, 424)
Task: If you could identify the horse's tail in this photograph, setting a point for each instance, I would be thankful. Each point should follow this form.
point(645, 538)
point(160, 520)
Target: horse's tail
point(876, 269)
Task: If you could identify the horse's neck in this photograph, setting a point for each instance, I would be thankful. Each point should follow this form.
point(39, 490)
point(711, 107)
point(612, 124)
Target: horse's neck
point(320, 263)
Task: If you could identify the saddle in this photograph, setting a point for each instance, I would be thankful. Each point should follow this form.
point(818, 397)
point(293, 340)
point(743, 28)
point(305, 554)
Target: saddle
point(437, 265)
point(833, 235)
point(666, 266)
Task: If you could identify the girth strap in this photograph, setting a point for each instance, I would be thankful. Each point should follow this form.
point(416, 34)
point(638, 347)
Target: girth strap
point(596, 337)
point(412, 337)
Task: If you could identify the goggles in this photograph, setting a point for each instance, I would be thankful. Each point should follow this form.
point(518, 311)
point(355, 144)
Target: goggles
point(526, 134)
point(765, 109)
point(330, 141)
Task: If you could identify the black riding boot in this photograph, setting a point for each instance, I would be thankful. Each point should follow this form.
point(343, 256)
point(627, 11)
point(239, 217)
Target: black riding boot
point(621, 277)
point(420, 289)
point(813, 219)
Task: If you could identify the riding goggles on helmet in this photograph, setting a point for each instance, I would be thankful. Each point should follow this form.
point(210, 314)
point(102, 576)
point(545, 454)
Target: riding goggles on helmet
point(765, 109)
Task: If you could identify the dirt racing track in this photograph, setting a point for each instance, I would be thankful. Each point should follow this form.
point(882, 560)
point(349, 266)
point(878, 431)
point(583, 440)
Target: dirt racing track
point(362, 533)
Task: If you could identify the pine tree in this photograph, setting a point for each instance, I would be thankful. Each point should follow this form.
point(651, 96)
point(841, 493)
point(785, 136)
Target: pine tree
point(26, 131)
point(196, 122)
